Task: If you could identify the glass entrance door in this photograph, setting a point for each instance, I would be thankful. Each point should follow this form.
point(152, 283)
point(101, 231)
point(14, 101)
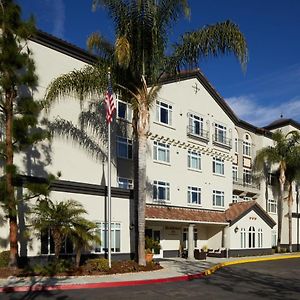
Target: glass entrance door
point(154, 234)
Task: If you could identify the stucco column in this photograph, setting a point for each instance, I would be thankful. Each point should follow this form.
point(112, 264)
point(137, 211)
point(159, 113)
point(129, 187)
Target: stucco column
point(191, 242)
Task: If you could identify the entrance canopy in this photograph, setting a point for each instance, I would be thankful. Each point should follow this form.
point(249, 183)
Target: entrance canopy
point(189, 215)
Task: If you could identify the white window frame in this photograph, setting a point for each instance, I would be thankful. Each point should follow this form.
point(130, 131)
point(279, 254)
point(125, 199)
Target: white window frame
point(125, 183)
point(128, 144)
point(168, 108)
point(218, 163)
point(247, 176)
point(245, 198)
point(194, 157)
point(161, 148)
point(194, 191)
point(196, 124)
point(218, 196)
point(220, 133)
point(246, 148)
point(272, 206)
point(259, 238)
point(161, 186)
point(102, 228)
point(243, 238)
point(251, 237)
point(128, 111)
point(234, 174)
point(236, 145)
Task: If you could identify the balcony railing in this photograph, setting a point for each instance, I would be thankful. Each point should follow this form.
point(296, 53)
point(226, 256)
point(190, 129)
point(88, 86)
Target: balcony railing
point(222, 141)
point(198, 133)
point(248, 182)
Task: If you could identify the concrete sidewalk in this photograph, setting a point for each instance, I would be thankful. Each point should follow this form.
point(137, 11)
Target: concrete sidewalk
point(175, 269)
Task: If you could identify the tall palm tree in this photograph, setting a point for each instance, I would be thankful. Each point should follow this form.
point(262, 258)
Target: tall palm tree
point(292, 176)
point(139, 57)
point(60, 218)
point(282, 155)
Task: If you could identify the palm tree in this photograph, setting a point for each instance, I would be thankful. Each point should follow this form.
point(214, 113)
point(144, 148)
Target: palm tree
point(60, 218)
point(83, 236)
point(281, 154)
point(292, 176)
point(140, 56)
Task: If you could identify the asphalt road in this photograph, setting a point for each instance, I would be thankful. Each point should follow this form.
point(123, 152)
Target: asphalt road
point(265, 280)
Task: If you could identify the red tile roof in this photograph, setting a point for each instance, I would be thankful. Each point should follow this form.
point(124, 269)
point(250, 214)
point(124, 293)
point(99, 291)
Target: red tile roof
point(235, 212)
point(184, 214)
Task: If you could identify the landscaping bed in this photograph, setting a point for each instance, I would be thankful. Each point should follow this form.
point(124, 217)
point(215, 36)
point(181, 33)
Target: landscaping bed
point(91, 267)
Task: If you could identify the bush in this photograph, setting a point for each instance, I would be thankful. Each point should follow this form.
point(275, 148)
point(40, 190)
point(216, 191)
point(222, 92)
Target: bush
point(53, 268)
point(97, 264)
point(4, 259)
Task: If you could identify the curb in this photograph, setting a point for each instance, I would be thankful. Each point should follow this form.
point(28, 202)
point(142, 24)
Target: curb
point(99, 285)
point(245, 261)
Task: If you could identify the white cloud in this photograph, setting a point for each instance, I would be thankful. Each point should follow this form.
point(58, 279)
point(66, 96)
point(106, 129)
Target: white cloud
point(249, 109)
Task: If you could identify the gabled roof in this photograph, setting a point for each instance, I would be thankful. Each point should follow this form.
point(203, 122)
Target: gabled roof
point(76, 52)
point(281, 123)
point(163, 212)
point(238, 210)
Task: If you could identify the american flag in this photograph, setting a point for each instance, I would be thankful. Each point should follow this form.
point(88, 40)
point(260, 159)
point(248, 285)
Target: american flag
point(109, 102)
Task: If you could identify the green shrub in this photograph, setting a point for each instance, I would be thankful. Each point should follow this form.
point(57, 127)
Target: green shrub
point(98, 264)
point(4, 259)
point(53, 268)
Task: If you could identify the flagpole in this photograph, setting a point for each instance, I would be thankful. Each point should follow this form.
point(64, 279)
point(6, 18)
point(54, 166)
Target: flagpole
point(109, 193)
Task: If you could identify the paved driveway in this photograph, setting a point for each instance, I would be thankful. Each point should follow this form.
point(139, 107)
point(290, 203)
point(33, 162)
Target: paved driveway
point(264, 280)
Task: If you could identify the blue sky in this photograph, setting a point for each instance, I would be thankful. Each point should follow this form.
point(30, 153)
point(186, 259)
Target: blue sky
point(271, 85)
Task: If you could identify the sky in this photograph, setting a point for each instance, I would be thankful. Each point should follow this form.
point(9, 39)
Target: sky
point(269, 89)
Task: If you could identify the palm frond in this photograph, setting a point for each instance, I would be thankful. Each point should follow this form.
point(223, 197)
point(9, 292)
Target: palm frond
point(68, 130)
point(221, 38)
point(100, 46)
point(82, 84)
point(122, 51)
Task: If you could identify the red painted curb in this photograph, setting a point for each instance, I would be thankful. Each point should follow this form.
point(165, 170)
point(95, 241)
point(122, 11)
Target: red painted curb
point(98, 285)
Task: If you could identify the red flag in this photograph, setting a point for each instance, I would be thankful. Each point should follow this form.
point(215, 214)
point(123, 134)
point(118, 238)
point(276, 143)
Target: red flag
point(109, 102)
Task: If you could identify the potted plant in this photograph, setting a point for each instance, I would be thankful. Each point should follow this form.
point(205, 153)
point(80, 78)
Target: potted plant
point(151, 246)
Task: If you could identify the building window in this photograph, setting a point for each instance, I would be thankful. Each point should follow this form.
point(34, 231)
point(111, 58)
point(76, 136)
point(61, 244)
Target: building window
point(234, 173)
point(235, 198)
point(161, 191)
point(246, 148)
point(218, 166)
point(259, 238)
point(163, 113)
point(247, 176)
point(195, 125)
point(218, 198)
point(47, 244)
point(243, 238)
point(272, 179)
point(194, 160)
point(125, 183)
point(194, 195)
point(272, 206)
point(251, 237)
point(220, 133)
point(124, 148)
point(124, 110)
point(102, 230)
point(274, 238)
point(161, 152)
point(236, 145)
